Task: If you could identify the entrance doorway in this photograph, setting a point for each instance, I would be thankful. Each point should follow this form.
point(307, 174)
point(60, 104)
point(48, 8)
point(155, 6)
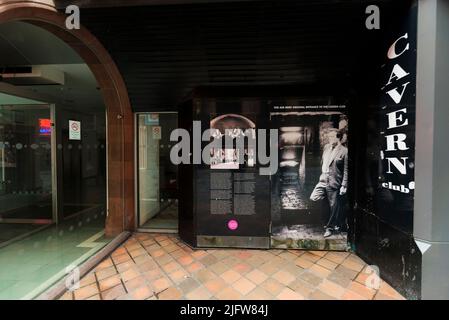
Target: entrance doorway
point(157, 175)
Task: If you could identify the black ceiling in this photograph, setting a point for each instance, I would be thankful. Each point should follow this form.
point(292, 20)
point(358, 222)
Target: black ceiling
point(163, 52)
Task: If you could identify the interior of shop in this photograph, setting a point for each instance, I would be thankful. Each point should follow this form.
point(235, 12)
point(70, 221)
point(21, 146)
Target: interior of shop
point(52, 160)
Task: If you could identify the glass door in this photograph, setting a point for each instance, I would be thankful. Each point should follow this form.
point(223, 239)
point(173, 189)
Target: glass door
point(157, 176)
point(26, 164)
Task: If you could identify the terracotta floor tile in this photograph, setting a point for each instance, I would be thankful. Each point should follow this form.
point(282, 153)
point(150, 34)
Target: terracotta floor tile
point(110, 282)
point(185, 260)
point(293, 269)
point(171, 293)
point(137, 252)
point(87, 280)
point(155, 266)
point(121, 258)
point(311, 278)
point(244, 254)
point(104, 264)
point(288, 256)
point(160, 284)
point(319, 253)
point(143, 259)
point(171, 266)
point(205, 275)
point(105, 273)
point(311, 257)
point(352, 265)
point(259, 294)
point(135, 283)
point(119, 251)
point(178, 253)
point(132, 247)
point(331, 288)
point(268, 268)
point(113, 293)
point(386, 289)
point(272, 286)
point(381, 296)
point(320, 271)
point(351, 295)
point(153, 247)
point(208, 260)
point(255, 261)
point(230, 276)
point(148, 242)
point(301, 287)
point(348, 273)
point(178, 276)
point(337, 257)
point(320, 295)
point(256, 276)
point(200, 293)
point(303, 263)
point(95, 297)
point(130, 274)
point(228, 294)
point(242, 268)
point(157, 253)
point(194, 267)
point(215, 285)
point(243, 286)
point(68, 295)
point(153, 274)
point(125, 266)
point(362, 290)
point(340, 278)
point(327, 264)
point(198, 254)
point(86, 292)
point(284, 277)
point(218, 268)
point(147, 266)
point(289, 294)
point(188, 285)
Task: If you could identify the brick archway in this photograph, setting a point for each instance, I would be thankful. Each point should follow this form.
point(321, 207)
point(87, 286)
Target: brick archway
point(120, 152)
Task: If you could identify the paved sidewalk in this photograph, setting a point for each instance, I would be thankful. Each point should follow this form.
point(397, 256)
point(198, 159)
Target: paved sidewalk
point(155, 266)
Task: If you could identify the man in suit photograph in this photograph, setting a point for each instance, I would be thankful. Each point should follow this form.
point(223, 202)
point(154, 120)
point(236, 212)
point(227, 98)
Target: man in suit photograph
point(333, 181)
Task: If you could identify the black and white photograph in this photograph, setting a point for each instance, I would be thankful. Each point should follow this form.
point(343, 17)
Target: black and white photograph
point(308, 195)
point(231, 126)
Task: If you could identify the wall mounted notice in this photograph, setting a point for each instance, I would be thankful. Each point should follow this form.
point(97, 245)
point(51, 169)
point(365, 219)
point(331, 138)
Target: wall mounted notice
point(74, 130)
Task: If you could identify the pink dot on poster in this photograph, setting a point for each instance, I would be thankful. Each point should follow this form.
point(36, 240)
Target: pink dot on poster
point(233, 224)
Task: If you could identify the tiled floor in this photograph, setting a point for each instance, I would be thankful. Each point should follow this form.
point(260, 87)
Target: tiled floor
point(152, 266)
point(30, 266)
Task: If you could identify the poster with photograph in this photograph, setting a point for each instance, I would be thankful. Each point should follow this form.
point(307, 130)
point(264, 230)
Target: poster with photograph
point(231, 127)
point(308, 192)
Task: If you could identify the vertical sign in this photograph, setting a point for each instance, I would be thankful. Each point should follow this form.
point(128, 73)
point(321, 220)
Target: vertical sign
point(74, 130)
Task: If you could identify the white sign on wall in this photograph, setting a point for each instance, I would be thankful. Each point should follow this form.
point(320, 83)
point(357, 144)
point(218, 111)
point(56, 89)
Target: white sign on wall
point(74, 130)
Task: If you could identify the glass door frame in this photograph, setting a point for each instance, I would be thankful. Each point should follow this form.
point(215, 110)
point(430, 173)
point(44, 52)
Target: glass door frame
point(136, 173)
point(51, 108)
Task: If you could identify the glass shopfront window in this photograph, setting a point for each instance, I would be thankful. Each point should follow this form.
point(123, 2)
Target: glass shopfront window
point(157, 176)
point(25, 166)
